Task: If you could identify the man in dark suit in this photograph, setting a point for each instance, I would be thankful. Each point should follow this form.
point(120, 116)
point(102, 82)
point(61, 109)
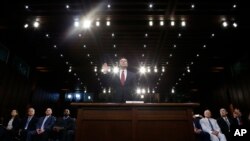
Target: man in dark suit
point(11, 127)
point(226, 124)
point(28, 123)
point(43, 127)
point(122, 82)
point(64, 128)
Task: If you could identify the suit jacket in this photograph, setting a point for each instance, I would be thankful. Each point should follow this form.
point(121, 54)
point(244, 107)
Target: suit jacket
point(225, 129)
point(16, 124)
point(122, 93)
point(31, 125)
point(206, 125)
point(68, 123)
point(48, 124)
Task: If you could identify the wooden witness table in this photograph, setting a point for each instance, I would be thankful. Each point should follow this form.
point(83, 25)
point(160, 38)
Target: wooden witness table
point(134, 121)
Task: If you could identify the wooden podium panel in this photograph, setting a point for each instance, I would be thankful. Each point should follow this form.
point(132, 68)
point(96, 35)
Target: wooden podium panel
point(134, 122)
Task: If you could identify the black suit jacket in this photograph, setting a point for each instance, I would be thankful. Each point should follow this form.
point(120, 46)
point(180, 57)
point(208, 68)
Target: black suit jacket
point(15, 124)
point(121, 93)
point(67, 124)
point(31, 125)
point(48, 124)
point(223, 125)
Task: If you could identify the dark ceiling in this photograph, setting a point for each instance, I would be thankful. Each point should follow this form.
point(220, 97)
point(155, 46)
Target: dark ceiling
point(128, 35)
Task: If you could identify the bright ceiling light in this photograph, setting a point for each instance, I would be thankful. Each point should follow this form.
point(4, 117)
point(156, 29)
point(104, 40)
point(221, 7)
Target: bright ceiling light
point(142, 70)
point(150, 5)
point(146, 34)
point(26, 7)
point(138, 91)
point(86, 24)
point(150, 23)
point(36, 24)
point(172, 23)
point(235, 24)
point(234, 6)
point(26, 26)
point(225, 24)
point(67, 6)
point(115, 70)
point(183, 23)
point(97, 23)
point(109, 6)
point(108, 23)
point(161, 23)
point(192, 6)
point(76, 23)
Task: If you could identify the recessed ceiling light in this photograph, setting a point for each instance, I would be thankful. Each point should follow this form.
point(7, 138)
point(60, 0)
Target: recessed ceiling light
point(84, 46)
point(161, 23)
point(172, 23)
point(179, 35)
point(87, 23)
point(47, 35)
point(36, 24)
point(234, 6)
point(55, 46)
point(192, 6)
point(197, 55)
point(235, 24)
point(150, 23)
point(26, 7)
point(183, 23)
point(114, 46)
point(76, 23)
point(113, 35)
point(97, 23)
point(61, 55)
point(204, 46)
point(79, 35)
point(67, 6)
point(144, 45)
point(109, 6)
point(108, 23)
point(170, 55)
point(26, 26)
point(150, 5)
point(212, 34)
point(146, 35)
point(225, 24)
point(174, 45)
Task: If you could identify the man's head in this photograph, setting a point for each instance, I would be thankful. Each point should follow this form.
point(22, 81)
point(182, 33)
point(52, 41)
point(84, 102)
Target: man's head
point(14, 113)
point(207, 113)
point(123, 63)
point(237, 112)
point(48, 112)
point(31, 112)
point(223, 112)
point(66, 112)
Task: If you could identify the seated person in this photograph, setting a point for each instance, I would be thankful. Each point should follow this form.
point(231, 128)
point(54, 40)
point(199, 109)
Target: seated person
point(211, 126)
point(43, 127)
point(199, 133)
point(11, 127)
point(28, 123)
point(64, 127)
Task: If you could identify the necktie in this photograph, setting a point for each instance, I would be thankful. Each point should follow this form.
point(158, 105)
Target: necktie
point(239, 121)
point(211, 125)
point(227, 121)
point(122, 78)
point(42, 127)
point(27, 123)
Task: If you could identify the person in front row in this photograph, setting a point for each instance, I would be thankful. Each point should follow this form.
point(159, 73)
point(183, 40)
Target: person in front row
point(226, 124)
point(210, 125)
point(11, 127)
point(64, 128)
point(123, 83)
point(28, 123)
point(43, 127)
point(199, 133)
